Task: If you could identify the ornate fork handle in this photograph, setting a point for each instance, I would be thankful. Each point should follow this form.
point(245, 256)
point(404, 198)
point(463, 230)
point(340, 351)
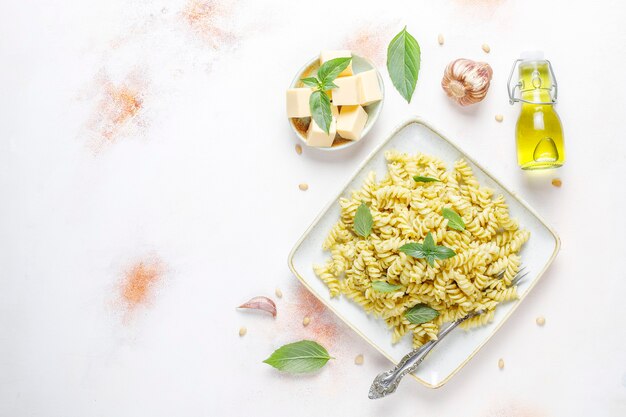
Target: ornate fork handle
point(387, 382)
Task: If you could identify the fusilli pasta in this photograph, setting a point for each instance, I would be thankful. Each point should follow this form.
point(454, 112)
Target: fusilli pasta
point(478, 277)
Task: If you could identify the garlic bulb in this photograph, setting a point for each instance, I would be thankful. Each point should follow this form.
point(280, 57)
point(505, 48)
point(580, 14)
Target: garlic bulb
point(466, 81)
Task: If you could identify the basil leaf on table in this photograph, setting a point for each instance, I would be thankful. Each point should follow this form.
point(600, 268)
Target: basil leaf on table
point(454, 220)
point(420, 313)
point(320, 110)
point(363, 221)
point(403, 63)
point(299, 357)
point(384, 287)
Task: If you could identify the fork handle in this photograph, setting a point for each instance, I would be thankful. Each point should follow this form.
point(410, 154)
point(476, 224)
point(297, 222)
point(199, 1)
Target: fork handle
point(387, 382)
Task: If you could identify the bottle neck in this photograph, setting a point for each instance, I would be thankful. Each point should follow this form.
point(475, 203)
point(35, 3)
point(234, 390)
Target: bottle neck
point(536, 82)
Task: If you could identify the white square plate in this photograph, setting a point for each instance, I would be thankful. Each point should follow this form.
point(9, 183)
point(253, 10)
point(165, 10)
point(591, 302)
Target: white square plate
point(460, 346)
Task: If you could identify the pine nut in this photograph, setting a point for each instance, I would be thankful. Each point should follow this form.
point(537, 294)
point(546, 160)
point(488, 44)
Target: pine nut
point(304, 186)
point(501, 363)
point(499, 118)
point(440, 39)
point(299, 149)
point(486, 48)
point(243, 331)
point(540, 321)
point(306, 321)
point(278, 293)
point(358, 360)
point(557, 182)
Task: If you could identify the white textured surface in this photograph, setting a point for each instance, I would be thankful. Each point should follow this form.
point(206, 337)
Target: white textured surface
point(217, 199)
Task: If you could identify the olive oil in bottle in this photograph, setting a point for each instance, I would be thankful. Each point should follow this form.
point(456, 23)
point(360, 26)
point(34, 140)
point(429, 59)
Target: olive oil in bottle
point(538, 133)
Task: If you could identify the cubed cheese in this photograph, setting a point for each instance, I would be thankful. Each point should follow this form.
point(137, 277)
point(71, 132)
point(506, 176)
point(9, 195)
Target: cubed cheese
point(328, 55)
point(369, 88)
point(347, 93)
point(351, 122)
point(315, 136)
point(298, 102)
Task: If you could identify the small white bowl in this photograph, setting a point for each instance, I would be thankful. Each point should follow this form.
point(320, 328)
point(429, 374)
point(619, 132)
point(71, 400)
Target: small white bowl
point(359, 64)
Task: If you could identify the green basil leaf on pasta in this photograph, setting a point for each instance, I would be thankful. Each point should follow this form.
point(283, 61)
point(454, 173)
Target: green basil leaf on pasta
point(429, 242)
point(443, 252)
point(418, 178)
point(299, 357)
point(428, 250)
point(420, 313)
point(454, 220)
point(413, 249)
point(382, 286)
point(320, 110)
point(403, 63)
point(332, 68)
point(310, 82)
point(363, 221)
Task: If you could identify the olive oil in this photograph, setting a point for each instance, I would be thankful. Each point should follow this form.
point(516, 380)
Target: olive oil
point(539, 133)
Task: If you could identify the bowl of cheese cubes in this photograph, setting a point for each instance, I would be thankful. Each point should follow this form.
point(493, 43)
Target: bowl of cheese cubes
point(355, 104)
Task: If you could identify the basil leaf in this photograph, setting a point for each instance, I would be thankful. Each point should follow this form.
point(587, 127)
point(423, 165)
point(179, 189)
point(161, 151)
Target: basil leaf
point(363, 221)
point(454, 220)
point(329, 85)
point(442, 252)
point(310, 82)
point(299, 357)
point(382, 286)
point(420, 313)
point(418, 178)
point(415, 250)
point(403, 63)
point(332, 68)
point(320, 110)
point(429, 242)
point(428, 250)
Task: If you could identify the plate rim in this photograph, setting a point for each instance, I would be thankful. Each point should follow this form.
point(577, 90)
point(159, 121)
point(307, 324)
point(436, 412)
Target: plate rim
point(418, 120)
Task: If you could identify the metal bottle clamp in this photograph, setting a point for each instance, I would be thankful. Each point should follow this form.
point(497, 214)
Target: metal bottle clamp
point(553, 90)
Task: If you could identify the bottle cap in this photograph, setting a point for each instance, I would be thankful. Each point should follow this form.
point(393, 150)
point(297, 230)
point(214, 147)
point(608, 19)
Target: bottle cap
point(535, 55)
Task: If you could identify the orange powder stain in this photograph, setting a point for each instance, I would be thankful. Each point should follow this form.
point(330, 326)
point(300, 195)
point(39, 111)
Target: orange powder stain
point(118, 111)
point(370, 41)
point(211, 21)
point(139, 282)
point(324, 326)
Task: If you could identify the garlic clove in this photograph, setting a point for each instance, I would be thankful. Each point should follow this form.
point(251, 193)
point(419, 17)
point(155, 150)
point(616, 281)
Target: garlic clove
point(466, 81)
point(261, 303)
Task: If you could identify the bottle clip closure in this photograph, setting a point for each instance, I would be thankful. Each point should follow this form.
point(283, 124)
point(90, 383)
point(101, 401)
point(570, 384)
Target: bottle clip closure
point(536, 83)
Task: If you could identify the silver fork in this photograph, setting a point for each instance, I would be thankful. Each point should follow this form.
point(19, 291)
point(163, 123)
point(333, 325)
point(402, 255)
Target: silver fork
point(387, 382)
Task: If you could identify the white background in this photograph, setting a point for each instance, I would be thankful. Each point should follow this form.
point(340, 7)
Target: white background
point(205, 177)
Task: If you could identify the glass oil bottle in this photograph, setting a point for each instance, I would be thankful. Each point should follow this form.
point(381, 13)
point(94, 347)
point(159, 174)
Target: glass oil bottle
point(538, 133)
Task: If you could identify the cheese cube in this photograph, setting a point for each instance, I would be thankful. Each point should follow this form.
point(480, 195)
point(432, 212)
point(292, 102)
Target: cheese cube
point(347, 93)
point(328, 55)
point(351, 122)
point(315, 136)
point(369, 88)
point(298, 102)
